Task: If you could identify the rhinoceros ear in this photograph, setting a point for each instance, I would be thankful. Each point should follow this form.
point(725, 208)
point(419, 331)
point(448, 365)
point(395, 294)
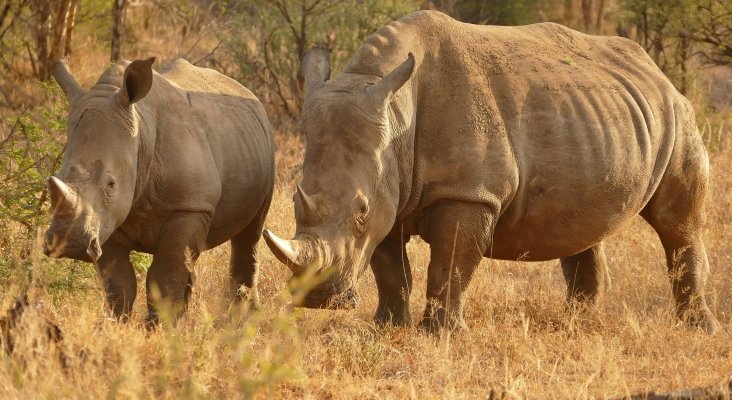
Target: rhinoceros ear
point(137, 82)
point(68, 84)
point(315, 68)
point(382, 91)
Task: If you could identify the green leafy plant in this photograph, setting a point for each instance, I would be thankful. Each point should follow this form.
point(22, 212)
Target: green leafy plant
point(30, 152)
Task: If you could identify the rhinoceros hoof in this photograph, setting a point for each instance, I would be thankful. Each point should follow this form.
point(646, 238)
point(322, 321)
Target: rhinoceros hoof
point(152, 321)
point(435, 324)
point(395, 318)
point(705, 321)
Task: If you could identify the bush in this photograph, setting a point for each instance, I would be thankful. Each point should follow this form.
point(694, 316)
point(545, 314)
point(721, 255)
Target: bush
point(30, 152)
point(269, 38)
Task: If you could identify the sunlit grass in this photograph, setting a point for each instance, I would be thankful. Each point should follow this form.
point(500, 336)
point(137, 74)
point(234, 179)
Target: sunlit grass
point(522, 339)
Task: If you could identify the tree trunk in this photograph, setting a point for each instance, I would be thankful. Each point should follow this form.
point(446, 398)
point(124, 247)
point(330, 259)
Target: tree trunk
point(58, 39)
point(569, 12)
point(42, 11)
point(684, 54)
point(118, 8)
point(587, 14)
point(54, 22)
point(600, 16)
point(70, 25)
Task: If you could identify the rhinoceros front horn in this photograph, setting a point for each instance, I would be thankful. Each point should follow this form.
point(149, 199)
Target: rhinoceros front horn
point(63, 197)
point(296, 254)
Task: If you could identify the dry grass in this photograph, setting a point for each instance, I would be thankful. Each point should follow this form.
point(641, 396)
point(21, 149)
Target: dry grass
point(522, 340)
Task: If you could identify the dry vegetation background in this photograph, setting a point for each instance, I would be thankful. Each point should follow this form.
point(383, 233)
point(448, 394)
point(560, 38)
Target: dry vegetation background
point(522, 340)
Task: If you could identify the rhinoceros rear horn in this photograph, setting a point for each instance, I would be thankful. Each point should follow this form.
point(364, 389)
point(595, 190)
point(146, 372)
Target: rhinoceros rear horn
point(308, 205)
point(315, 69)
point(382, 91)
point(137, 81)
point(63, 197)
point(68, 84)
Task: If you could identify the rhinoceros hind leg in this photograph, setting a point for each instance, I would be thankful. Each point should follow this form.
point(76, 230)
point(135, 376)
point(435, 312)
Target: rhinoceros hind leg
point(586, 275)
point(118, 279)
point(242, 266)
point(459, 235)
point(393, 276)
point(170, 280)
point(686, 259)
point(675, 212)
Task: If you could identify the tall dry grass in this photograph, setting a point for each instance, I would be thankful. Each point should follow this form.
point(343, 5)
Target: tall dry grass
point(522, 340)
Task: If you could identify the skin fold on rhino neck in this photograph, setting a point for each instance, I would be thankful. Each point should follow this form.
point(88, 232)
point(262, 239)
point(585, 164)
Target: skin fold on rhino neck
point(146, 137)
point(401, 147)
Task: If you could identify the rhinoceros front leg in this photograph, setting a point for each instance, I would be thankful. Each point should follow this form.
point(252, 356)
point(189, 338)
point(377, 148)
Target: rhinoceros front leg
point(118, 279)
point(170, 279)
point(459, 235)
point(586, 275)
point(393, 276)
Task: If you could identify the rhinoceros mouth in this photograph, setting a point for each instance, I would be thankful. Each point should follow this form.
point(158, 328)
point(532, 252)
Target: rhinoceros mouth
point(87, 253)
point(344, 300)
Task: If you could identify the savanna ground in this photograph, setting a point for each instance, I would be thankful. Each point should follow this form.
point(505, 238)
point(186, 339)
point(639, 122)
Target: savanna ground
point(522, 340)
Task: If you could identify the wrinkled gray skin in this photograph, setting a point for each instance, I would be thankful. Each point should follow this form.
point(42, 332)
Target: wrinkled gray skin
point(171, 164)
point(487, 142)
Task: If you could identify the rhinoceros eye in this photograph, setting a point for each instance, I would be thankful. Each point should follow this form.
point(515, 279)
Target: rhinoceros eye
point(361, 218)
point(110, 187)
point(361, 211)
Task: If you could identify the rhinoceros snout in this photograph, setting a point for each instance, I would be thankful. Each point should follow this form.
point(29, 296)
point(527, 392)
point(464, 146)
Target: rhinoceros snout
point(94, 250)
point(47, 238)
point(83, 249)
point(52, 245)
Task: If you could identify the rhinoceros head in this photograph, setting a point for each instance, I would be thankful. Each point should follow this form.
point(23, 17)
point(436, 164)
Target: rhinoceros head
point(347, 201)
point(92, 193)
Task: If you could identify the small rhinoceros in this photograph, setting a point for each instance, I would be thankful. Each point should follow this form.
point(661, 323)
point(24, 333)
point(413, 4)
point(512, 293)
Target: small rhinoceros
point(534, 142)
point(169, 163)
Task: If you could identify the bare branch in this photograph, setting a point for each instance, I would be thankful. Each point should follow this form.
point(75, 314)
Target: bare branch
point(209, 54)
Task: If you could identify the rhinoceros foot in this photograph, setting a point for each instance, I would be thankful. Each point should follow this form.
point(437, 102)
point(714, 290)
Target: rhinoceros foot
point(702, 319)
point(437, 320)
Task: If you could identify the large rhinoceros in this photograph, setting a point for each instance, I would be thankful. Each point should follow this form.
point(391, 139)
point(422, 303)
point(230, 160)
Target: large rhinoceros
point(534, 142)
point(170, 163)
